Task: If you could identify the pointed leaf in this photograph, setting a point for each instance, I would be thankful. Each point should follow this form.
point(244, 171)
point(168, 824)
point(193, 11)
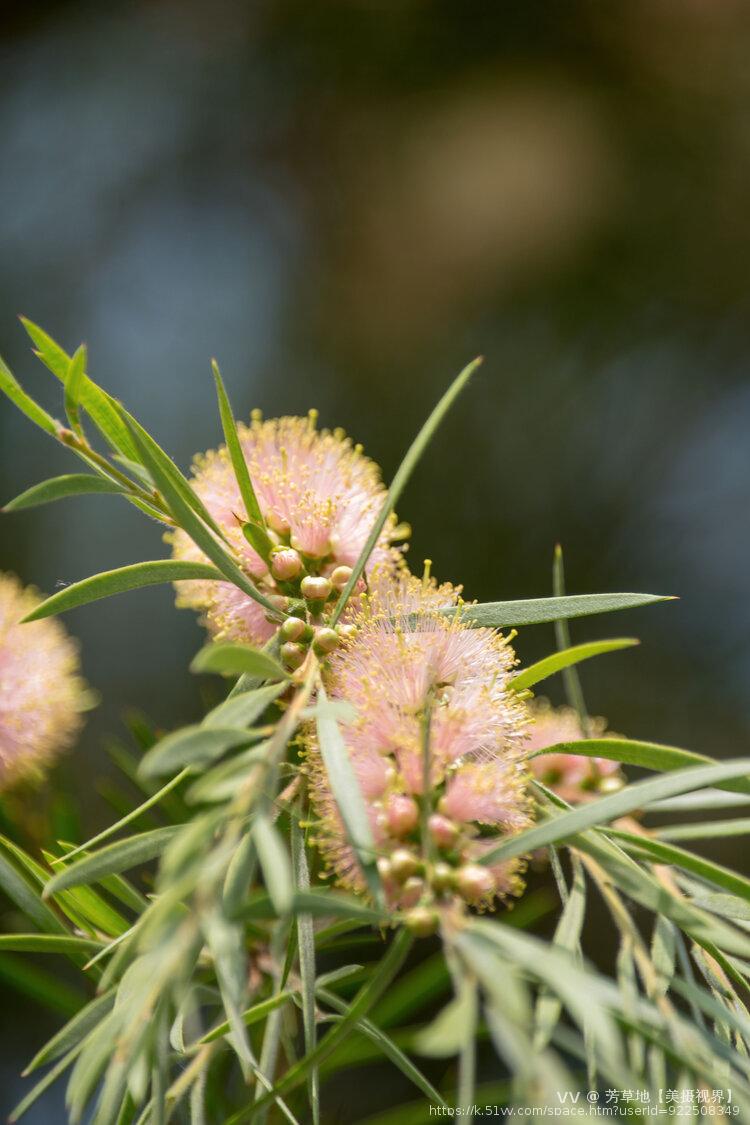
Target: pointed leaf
point(25, 403)
point(239, 464)
point(540, 611)
point(100, 406)
point(237, 660)
point(558, 661)
point(111, 582)
point(57, 488)
point(634, 796)
point(113, 859)
point(346, 791)
point(190, 748)
point(405, 469)
point(275, 863)
point(239, 711)
point(74, 385)
point(182, 502)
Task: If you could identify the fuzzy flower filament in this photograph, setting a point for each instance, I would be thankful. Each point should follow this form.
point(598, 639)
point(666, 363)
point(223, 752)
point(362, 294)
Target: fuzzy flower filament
point(319, 497)
point(437, 744)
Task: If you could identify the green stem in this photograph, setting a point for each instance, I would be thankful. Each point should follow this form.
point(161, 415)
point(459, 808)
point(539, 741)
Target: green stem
point(367, 996)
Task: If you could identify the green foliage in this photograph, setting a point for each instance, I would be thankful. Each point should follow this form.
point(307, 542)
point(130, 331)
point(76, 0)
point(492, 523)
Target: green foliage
point(204, 937)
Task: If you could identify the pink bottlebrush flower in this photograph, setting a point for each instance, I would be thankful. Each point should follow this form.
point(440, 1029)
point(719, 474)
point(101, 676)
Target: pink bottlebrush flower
point(319, 496)
point(41, 694)
point(574, 777)
point(407, 669)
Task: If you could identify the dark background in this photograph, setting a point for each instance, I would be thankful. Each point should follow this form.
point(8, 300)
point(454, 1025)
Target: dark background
point(344, 202)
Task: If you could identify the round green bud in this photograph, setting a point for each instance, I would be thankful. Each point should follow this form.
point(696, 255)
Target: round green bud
point(404, 864)
point(326, 640)
point(442, 878)
point(315, 588)
point(295, 629)
point(421, 921)
point(341, 576)
point(293, 654)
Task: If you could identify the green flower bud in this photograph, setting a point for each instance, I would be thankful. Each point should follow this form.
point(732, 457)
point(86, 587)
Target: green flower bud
point(326, 640)
point(293, 654)
point(315, 588)
point(421, 921)
point(295, 629)
point(404, 864)
point(341, 576)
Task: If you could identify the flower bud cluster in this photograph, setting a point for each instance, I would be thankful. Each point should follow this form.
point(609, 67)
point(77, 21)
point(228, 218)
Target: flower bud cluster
point(437, 747)
point(319, 497)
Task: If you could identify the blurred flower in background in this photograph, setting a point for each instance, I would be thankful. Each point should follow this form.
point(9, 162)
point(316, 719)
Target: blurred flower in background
point(42, 695)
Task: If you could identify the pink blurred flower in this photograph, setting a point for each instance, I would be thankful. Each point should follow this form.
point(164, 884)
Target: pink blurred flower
point(41, 694)
point(319, 495)
point(574, 777)
point(408, 662)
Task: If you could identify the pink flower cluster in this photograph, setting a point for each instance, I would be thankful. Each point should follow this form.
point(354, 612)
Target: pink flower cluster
point(41, 693)
point(319, 496)
point(574, 777)
point(437, 743)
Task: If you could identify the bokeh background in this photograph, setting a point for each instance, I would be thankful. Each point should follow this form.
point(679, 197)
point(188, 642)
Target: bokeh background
point(344, 202)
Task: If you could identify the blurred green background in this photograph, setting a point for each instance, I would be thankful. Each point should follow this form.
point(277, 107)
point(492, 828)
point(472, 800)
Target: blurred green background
point(344, 202)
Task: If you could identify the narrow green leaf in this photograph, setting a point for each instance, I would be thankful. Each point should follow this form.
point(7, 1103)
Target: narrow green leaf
point(710, 831)
point(47, 943)
point(332, 904)
point(576, 986)
point(237, 660)
point(306, 947)
point(450, 1028)
point(73, 1031)
point(239, 711)
point(368, 995)
point(405, 470)
point(74, 385)
point(253, 1015)
point(540, 611)
point(259, 540)
point(567, 937)
point(57, 488)
point(571, 679)
point(100, 406)
point(346, 791)
point(44, 1084)
point(190, 748)
point(275, 863)
point(182, 502)
point(700, 800)
point(239, 464)
point(643, 888)
point(114, 858)
point(161, 468)
point(678, 857)
point(647, 755)
point(27, 899)
point(134, 814)
point(385, 1044)
point(13, 390)
point(111, 582)
point(39, 985)
point(635, 796)
point(558, 661)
